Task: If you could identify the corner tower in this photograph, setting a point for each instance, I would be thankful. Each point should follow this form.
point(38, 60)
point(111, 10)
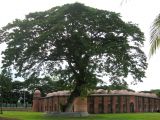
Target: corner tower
point(36, 96)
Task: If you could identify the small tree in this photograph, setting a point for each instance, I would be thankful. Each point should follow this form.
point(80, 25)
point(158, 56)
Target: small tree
point(45, 85)
point(78, 44)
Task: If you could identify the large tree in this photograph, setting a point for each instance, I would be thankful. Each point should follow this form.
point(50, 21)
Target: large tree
point(78, 44)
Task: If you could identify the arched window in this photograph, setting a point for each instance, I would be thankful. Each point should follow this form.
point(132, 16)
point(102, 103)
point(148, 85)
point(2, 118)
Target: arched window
point(124, 108)
point(91, 104)
point(131, 107)
point(110, 108)
point(117, 108)
point(55, 107)
point(100, 107)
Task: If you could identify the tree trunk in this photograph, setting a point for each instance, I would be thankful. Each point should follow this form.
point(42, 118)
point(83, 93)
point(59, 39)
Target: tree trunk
point(69, 106)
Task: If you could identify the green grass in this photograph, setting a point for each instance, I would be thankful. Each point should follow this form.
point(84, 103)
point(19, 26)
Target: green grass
point(41, 116)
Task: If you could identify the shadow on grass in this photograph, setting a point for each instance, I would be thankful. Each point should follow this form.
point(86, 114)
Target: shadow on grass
point(5, 118)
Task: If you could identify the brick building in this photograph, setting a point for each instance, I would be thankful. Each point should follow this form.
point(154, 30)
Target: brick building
point(100, 101)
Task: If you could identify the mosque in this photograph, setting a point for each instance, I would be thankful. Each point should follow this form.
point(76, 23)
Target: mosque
point(100, 101)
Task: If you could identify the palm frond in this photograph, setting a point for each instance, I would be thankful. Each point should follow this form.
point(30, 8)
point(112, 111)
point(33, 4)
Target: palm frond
point(123, 1)
point(155, 36)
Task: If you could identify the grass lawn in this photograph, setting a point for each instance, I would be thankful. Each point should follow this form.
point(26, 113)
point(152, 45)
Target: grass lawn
point(41, 116)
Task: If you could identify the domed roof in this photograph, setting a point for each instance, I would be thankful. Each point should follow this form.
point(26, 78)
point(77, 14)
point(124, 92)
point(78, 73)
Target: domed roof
point(59, 93)
point(37, 92)
point(65, 92)
point(49, 94)
point(100, 91)
point(122, 92)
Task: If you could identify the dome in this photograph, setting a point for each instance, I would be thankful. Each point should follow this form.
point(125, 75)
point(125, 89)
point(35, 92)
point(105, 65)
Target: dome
point(65, 92)
point(49, 94)
point(37, 93)
point(54, 93)
point(100, 91)
point(58, 93)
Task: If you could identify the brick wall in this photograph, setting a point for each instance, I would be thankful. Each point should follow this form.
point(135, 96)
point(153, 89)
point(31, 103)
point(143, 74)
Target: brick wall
point(99, 104)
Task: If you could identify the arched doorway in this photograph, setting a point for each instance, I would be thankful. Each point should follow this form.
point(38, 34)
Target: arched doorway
point(131, 107)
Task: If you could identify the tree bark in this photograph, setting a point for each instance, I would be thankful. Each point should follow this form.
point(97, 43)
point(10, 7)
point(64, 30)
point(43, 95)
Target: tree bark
point(75, 93)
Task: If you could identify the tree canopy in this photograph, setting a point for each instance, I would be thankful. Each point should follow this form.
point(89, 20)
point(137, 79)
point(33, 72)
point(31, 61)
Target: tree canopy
point(76, 43)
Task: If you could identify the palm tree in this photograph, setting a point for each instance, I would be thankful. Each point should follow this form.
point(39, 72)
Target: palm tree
point(155, 35)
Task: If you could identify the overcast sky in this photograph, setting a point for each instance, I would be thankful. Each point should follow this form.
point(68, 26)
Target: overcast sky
point(141, 12)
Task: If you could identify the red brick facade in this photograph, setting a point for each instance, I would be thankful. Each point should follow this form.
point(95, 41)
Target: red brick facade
point(122, 104)
point(100, 103)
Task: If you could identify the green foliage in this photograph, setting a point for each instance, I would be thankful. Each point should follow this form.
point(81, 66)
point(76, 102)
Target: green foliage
point(11, 91)
point(156, 91)
point(17, 86)
point(45, 85)
point(115, 85)
point(78, 44)
point(118, 85)
point(5, 84)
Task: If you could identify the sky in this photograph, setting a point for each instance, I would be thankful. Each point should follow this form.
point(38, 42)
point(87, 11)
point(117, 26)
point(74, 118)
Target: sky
point(141, 12)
